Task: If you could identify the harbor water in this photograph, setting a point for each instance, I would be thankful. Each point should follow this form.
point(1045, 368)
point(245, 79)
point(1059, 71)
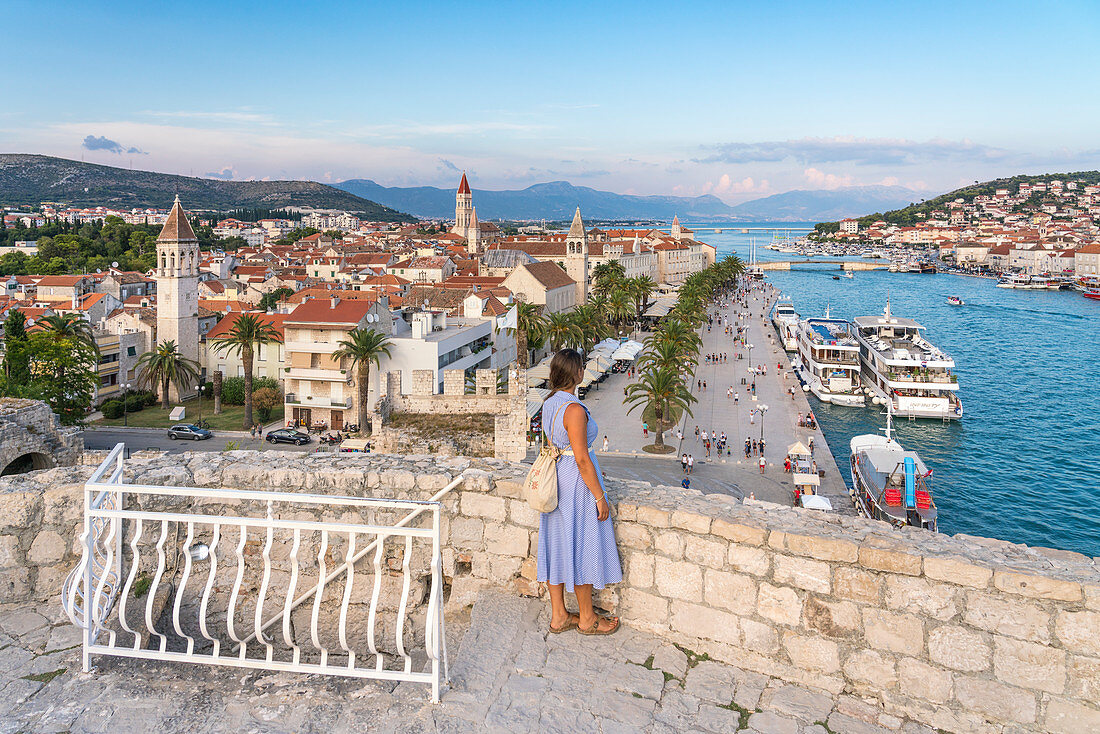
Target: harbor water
point(1023, 464)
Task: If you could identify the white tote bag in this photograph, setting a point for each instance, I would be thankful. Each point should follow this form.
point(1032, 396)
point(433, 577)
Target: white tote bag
point(540, 488)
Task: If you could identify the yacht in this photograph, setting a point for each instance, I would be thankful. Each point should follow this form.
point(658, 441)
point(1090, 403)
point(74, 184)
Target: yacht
point(828, 360)
point(785, 321)
point(902, 368)
point(890, 483)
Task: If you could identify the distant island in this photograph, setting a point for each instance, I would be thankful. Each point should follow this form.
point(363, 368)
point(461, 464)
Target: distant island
point(33, 179)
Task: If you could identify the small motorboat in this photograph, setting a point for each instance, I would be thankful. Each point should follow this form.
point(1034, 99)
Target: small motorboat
point(836, 277)
point(848, 275)
point(955, 301)
point(1093, 293)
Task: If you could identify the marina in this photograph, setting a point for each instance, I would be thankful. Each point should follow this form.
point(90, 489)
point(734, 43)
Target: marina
point(1028, 438)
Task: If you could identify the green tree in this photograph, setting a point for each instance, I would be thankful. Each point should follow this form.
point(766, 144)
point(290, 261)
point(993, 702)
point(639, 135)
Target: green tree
point(16, 359)
point(164, 365)
point(270, 300)
point(244, 336)
point(69, 326)
point(662, 392)
point(265, 399)
point(620, 307)
point(529, 331)
point(362, 348)
point(561, 331)
point(64, 373)
point(591, 325)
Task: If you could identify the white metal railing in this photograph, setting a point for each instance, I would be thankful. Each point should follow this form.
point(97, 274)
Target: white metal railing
point(186, 615)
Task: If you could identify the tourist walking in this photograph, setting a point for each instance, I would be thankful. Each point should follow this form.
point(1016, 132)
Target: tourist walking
point(684, 462)
point(763, 464)
point(252, 430)
point(691, 463)
point(645, 429)
point(576, 551)
point(605, 443)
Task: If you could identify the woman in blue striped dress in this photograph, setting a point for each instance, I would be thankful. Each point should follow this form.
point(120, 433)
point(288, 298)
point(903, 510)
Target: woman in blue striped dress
point(577, 549)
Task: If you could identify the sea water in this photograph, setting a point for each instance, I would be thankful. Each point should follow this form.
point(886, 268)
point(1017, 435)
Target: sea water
point(1023, 463)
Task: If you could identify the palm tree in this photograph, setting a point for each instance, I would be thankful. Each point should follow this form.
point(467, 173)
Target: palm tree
point(528, 332)
point(591, 325)
point(640, 288)
point(562, 331)
point(662, 391)
point(679, 334)
point(620, 307)
point(69, 326)
point(164, 365)
point(363, 347)
point(247, 333)
point(666, 354)
point(607, 275)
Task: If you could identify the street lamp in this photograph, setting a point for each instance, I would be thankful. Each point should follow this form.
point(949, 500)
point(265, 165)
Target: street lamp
point(125, 416)
point(198, 391)
point(762, 410)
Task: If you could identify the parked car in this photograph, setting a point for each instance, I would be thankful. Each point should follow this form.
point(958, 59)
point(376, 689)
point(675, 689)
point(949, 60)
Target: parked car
point(188, 430)
point(288, 435)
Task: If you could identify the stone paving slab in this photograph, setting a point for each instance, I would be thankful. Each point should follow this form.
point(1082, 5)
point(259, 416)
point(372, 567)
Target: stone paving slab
point(508, 675)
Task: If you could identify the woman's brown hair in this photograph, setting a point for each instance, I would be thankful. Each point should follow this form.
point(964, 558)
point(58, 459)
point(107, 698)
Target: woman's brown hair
point(566, 369)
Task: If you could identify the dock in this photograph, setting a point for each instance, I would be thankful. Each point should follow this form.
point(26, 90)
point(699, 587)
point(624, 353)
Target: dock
point(730, 473)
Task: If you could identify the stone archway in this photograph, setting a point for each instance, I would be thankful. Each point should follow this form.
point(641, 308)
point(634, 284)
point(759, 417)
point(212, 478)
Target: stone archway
point(30, 461)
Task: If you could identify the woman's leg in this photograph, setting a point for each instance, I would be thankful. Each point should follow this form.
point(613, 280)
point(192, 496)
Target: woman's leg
point(588, 617)
point(559, 615)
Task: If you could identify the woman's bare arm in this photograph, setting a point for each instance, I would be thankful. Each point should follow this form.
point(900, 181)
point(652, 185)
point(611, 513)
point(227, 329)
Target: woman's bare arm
point(576, 425)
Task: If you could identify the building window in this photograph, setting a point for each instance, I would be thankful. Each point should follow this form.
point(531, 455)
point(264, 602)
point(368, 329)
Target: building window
point(131, 351)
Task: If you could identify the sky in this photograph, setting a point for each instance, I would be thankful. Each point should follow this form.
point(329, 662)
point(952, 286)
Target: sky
point(739, 100)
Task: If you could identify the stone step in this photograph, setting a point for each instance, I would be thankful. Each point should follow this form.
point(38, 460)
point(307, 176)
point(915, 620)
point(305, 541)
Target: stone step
point(498, 624)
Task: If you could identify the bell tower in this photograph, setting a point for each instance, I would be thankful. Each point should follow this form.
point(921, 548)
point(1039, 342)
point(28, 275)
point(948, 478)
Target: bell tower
point(178, 290)
point(576, 256)
point(464, 209)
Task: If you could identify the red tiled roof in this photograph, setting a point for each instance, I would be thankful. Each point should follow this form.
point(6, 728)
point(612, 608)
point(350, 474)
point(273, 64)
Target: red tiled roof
point(323, 311)
point(226, 323)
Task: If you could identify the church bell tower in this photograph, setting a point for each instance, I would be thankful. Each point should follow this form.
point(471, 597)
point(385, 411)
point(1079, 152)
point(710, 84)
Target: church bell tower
point(576, 256)
point(178, 290)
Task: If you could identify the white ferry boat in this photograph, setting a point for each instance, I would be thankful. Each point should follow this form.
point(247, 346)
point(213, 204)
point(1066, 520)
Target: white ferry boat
point(828, 360)
point(785, 321)
point(1020, 281)
point(902, 368)
point(890, 483)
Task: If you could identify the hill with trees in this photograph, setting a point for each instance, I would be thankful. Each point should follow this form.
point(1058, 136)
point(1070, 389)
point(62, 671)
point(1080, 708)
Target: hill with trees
point(32, 179)
point(919, 212)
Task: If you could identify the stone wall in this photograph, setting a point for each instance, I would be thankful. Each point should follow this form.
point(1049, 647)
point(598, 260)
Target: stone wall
point(965, 634)
point(510, 408)
point(28, 428)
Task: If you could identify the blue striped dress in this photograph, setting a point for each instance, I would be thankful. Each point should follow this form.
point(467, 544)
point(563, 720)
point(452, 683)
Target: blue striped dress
point(574, 547)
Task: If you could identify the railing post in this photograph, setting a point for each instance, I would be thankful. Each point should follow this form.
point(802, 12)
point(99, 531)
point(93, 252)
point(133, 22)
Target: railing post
point(89, 546)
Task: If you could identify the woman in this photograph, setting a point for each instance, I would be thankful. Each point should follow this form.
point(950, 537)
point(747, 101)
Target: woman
point(576, 541)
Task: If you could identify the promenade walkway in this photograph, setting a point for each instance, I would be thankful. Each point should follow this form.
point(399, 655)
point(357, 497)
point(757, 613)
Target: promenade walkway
point(732, 473)
point(507, 675)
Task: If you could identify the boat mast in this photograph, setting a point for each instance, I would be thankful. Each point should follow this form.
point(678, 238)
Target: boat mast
point(889, 419)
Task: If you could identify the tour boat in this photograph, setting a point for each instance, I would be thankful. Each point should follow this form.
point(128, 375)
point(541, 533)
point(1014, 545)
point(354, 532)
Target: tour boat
point(955, 301)
point(1019, 281)
point(828, 360)
point(785, 321)
point(1093, 293)
point(890, 483)
point(902, 368)
point(925, 267)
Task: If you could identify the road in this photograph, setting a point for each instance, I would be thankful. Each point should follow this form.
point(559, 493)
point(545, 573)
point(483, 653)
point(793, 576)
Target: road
point(137, 439)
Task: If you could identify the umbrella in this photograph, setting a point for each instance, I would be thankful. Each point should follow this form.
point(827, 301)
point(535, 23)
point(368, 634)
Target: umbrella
point(624, 354)
point(539, 372)
point(600, 362)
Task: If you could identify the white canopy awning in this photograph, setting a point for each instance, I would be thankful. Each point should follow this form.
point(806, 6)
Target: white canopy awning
point(804, 479)
point(539, 372)
point(798, 449)
point(816, 502)
point(535, 398)
point(624, 354)
point(600, 362)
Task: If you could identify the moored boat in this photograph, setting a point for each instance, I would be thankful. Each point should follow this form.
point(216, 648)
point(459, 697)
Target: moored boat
point(828, 360)
point(785, 320)
point(890, 483)
point(903, 368)
point(1019, 281)
point(1093, 293)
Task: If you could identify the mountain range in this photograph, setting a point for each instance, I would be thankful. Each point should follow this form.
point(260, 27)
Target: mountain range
point(558, 199)
point(32, 179)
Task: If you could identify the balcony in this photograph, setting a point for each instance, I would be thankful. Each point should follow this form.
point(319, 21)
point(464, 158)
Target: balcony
point(310, 347)
point(314, 401)
point(313, 373)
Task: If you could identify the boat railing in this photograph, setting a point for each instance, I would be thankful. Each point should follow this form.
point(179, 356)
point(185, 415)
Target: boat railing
point(938, 377)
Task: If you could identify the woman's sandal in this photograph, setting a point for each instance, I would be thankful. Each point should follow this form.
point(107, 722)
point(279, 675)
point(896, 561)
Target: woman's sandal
point(571, 623)
point(595, 629)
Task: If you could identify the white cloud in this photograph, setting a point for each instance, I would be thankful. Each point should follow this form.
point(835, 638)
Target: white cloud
point(747, 185)
point(823, 180)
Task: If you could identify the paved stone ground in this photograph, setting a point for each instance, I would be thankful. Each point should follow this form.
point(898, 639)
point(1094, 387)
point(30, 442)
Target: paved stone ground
point(508, 675)
point(732, 474)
